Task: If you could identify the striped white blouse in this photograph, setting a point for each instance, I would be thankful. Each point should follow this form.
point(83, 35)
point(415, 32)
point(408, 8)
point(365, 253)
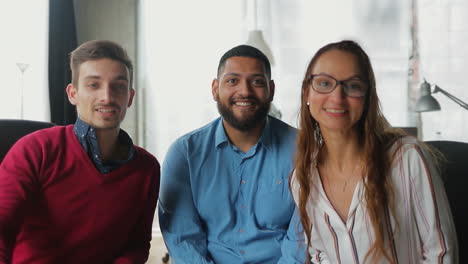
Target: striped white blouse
point(424, 233)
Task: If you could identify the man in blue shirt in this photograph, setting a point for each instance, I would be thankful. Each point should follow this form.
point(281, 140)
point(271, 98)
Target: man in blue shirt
point(224, 194)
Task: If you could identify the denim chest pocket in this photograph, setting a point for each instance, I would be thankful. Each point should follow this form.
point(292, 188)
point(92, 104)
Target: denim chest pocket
point(273, 204)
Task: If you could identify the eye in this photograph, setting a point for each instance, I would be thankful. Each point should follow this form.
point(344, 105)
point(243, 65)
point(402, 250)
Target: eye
point(121, 84)
point(120, 87)
point(231, 81)
point(323, 82)
point(259, 82)
point(355, 85)
point(92, 85)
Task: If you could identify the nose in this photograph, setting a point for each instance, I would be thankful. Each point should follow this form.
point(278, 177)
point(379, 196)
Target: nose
point(245, 88)
point(338, 94)
point(106, 94)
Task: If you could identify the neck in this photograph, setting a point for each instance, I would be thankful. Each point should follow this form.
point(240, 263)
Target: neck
point(341, 150)
point(244, 140)
point(108, 144)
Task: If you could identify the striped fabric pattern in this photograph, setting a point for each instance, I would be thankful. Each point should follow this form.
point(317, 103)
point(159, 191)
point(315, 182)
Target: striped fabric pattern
point(422, 225)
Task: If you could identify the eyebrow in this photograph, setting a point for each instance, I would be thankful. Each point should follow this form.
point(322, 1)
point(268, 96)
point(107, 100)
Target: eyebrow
point(97, 77)
point(349, 78)
point(237, 74)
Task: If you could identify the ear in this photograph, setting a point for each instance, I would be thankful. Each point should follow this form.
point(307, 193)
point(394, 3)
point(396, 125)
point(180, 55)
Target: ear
point(215, 89)
point(272, 90)
point(71, 92)
point(130, 99)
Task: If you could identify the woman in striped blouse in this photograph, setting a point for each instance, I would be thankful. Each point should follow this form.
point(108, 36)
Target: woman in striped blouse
point(366, 193)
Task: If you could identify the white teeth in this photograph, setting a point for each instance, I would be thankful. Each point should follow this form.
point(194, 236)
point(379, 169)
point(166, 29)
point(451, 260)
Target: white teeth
point(243, 103)
point(335, 111)
point(106, 110)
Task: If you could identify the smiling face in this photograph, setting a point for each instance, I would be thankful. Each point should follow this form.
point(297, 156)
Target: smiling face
point(243, 92)
point(335, 111)
point(103, 94)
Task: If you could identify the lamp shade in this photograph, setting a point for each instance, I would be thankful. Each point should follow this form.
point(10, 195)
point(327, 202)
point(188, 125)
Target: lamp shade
point(427, 103)
point(256, 40)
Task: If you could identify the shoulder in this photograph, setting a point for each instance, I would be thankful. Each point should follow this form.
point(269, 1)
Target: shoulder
point(51, 131)
point(46, 137)
point(407, 145)
point(198, 137)
point(281, 130)
point(281, 125)
point(412, 154)
point(43, 145)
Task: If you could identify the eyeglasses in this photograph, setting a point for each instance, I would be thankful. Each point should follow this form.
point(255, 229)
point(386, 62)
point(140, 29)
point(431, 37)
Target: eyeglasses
point(324, 84)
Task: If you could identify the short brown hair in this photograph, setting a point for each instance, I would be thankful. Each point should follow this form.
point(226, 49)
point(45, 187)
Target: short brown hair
point(98, 49)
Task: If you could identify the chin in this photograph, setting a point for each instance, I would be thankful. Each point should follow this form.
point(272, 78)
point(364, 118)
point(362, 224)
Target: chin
point(106, 125)
point(244, 116)
point(342, 128)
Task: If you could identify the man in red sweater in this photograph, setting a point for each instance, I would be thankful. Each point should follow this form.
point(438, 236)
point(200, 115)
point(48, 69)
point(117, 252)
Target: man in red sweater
point(81, 193)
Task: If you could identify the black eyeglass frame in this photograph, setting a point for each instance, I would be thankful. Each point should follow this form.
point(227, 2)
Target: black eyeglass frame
point(342, 83)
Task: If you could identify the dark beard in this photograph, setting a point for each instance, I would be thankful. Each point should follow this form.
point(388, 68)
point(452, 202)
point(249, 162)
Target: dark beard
point(245, 124)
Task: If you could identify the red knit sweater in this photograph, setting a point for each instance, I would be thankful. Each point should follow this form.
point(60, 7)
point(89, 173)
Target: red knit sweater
point(56, 207)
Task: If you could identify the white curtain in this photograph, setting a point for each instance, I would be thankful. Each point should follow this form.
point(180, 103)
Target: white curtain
point(24, 29)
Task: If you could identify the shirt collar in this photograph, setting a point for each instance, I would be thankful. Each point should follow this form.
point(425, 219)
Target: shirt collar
point(265, 139)
point(220, 134)
point(82, 129)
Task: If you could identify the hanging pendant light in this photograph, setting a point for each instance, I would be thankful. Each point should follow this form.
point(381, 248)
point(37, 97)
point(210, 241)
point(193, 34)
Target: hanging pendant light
point(256, 39)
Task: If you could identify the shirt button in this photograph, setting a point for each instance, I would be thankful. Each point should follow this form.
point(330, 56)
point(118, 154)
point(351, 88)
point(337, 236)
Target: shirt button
point(242, 252)
point(243, 206)
point(241, 230)
point(243, 181)
point(279, 182)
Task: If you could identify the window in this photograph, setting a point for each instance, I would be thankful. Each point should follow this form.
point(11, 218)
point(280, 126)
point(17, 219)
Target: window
point(443, 34)
point(23, 50)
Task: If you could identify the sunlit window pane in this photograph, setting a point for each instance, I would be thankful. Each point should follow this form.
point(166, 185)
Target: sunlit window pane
point(23, 50)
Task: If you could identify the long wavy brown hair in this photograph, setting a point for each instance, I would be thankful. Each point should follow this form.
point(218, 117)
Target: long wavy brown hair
point(375, 137)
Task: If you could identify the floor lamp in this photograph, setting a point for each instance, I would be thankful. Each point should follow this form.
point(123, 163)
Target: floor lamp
point(22, 67)
point(256, 39)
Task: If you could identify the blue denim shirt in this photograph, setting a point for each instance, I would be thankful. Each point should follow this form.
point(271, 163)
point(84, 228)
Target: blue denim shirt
point(87, 137)
point(220, 205)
